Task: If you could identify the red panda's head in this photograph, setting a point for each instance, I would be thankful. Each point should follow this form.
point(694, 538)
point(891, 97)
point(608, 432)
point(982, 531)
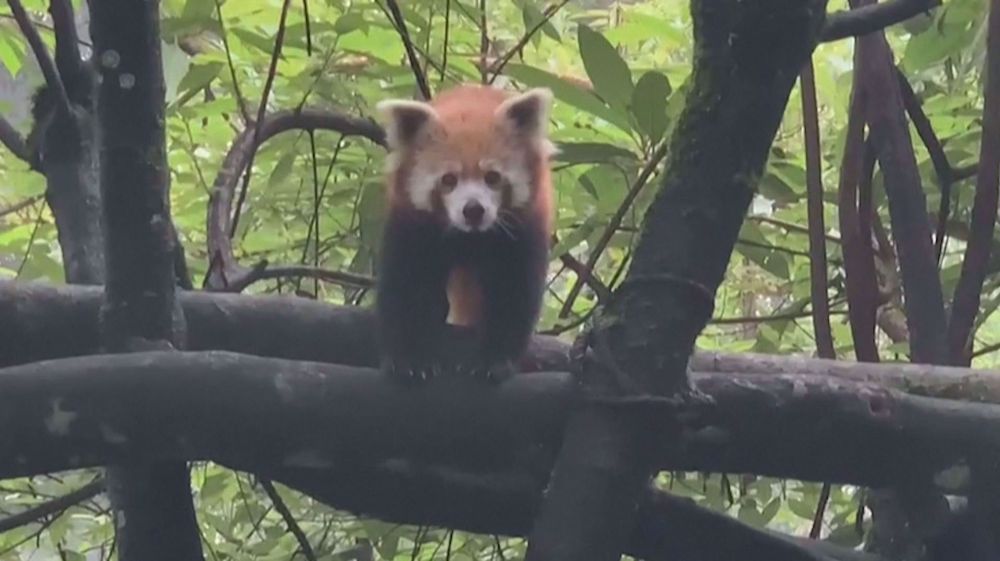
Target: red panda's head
point(472, 156)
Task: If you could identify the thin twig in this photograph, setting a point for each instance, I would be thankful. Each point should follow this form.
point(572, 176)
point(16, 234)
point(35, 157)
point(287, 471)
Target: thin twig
point(31, 241)
point(765, 319)
point(484, 42)
point(790, 226)
point(279, 40)
point(400, 24)
point(286, 515)
point(45, 62)
point(447, 31)
point(309, 37)
point(501, 63)
point(613, 224)
point(53, 506)
point(240, 100)
point(19, 205)
point(986, 350)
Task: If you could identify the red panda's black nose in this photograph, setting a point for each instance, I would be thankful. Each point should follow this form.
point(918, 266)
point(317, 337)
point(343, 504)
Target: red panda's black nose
point(473, 212)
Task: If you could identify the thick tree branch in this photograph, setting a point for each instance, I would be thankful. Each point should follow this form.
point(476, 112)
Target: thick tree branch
point(154, 513)
point(976, 262)
point(43, 322)
point(865, 20)
point(669, 527)
point(224, 272)
point(747, 56)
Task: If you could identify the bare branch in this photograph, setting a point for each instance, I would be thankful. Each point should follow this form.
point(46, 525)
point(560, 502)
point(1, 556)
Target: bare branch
point(868, 19)
point(975, 263)
point(45, 62)
point(19, 205)
point(55, 506)
point(497, 67)
point(411, 55)
point(224, 270)
point(279, 41)
point(616, 220)
point(286, 515)
point(241, 103)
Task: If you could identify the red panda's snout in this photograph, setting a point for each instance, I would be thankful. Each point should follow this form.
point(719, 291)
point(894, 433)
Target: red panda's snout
point(472, 206)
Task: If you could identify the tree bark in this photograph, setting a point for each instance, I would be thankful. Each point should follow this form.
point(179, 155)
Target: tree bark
point(154, 513)
point(263, 413)
point(747, 57)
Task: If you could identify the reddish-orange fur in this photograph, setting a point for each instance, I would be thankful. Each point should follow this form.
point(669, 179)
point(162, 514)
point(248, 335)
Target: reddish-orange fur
point(467, 113)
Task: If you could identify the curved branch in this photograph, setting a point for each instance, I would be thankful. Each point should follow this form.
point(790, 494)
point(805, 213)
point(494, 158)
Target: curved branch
point(224, 271)
point(868, 19)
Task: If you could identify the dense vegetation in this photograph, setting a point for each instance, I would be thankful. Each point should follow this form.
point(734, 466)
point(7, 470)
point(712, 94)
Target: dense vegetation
point(312, 210)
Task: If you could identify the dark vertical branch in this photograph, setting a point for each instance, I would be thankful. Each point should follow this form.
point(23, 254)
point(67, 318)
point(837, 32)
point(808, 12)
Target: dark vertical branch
point(396, 15)
point(154, 514)
point(748, 54)
point(975, 264)
point(943, 170)
point(819, 283)
point(279, 41)
point(890, 134)
point(859, 269)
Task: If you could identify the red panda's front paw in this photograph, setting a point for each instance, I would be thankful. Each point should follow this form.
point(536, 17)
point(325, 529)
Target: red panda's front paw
point(410, 372)
point(494, 372)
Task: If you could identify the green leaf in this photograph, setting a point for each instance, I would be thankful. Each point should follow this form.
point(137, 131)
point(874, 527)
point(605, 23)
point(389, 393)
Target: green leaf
point(649, 104)
point(175, 67)
point(591, 152)
point(350, 22)
point(198, 76)
point(282, 169)
point(605, 67)
point(567, 92)
point(532, 15)
point(576, 236)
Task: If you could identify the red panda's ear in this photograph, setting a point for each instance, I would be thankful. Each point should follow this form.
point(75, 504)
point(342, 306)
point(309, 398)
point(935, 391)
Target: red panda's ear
point(528, 112)
point(404, 120)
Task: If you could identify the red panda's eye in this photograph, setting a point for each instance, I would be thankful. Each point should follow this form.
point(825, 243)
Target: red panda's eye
point(491, 178)
point(449, 180)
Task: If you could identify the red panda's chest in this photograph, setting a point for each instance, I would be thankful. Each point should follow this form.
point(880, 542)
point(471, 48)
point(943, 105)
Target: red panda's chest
point(465, 297)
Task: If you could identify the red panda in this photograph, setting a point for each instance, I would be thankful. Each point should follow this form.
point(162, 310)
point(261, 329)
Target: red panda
point(467, 229)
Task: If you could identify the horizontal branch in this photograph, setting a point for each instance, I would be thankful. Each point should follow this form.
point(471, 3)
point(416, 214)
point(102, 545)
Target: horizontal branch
point(266, 414)
point(669, 527)
point(42, 321)
point(865, 20)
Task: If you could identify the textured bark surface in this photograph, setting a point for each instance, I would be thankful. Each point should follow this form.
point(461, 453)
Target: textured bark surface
point(747, 55)
point(154, 514)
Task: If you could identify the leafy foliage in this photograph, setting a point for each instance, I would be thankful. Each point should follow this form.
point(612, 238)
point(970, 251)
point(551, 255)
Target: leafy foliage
point(618, 73)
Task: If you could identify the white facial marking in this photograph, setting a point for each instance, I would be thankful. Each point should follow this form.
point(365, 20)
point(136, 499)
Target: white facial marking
point(472, 192)
point(420, 186)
